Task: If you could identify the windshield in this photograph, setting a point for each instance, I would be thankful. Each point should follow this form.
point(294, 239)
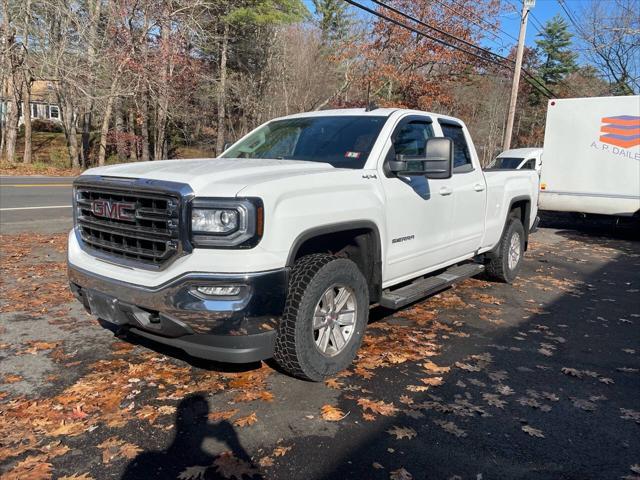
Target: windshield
point(506, 162)
point(342, 141)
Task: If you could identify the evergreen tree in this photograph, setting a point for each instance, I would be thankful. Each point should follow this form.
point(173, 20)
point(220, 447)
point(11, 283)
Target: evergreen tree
point(554, 46)
point(332, 18)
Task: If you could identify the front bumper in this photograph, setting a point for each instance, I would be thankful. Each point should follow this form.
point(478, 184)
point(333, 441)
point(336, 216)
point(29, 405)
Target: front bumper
point(236, 329)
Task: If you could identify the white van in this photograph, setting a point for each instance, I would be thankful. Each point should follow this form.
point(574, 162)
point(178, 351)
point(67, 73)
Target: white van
point(591, 161)
point(518, 159)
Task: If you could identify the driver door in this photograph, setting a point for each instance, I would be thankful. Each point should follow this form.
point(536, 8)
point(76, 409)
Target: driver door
point(419, 210)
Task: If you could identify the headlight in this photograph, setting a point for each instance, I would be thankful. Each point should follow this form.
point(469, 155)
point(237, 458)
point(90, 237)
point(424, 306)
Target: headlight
point(225, 222)
point(214, 220)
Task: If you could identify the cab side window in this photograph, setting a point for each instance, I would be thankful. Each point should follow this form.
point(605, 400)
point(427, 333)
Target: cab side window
point(530, 165)
point(461, 155)
point(411, 139)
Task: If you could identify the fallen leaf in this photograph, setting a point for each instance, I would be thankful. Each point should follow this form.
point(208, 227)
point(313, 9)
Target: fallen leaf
point(534, 432)
point(402, 432)
point(280, 451)
point(400, 474)
point(451, 428)
point(494, 400)
point(432, 381)
point(231, 467)
point(196, 472)
point(331, 413)
point(379, 407)
point(266, 462)
point(377, 466)
point(245, 421)
point(333, 383)
point(223, 415)
point(433, 368)
point(584, 404)
point(571, 372)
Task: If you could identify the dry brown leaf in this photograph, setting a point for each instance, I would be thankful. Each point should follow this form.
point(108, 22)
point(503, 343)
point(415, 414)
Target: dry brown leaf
point(368, 417)
point(417, 388)
point(77, 476)
point(245, 421)
point(331, 413)
point(231, 467)
point(571, 372)
point(377, 466)
point(280, 451)
point(34, 467)
point(379, 407)
point(432, 381)
point(333, 383)
point(402, 432)
point(223, 415)
point(451, 428)
point(433, 368)
point(113, 448)
point(196, 472)
point(494, 400)
point(534, 432)
point(400, 474)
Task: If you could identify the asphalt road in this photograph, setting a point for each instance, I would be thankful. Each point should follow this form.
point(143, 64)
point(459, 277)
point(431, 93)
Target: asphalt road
point(37, 204)
point(535, 380)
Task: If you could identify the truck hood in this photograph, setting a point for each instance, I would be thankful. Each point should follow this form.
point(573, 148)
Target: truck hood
point(220, 177)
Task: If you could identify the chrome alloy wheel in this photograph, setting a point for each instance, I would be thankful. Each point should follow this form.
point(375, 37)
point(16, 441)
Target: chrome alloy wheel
point(514, 251)
point(334, 319)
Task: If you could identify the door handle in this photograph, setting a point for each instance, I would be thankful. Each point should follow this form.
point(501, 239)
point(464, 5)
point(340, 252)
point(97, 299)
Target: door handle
point(446, 191)
point(478, 187)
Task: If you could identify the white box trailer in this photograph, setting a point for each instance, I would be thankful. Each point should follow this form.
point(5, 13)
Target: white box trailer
point(591, 159)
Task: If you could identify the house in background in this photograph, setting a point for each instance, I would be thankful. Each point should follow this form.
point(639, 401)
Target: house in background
point(43, 105)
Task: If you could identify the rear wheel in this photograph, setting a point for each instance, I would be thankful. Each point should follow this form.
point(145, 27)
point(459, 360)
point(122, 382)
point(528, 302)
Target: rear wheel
point(324, 319)
point(505, 265)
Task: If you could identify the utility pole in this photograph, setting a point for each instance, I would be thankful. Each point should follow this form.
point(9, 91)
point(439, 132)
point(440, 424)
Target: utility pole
point(526, 6)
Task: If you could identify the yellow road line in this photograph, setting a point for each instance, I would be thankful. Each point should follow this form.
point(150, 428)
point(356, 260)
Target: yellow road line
point(24, 185)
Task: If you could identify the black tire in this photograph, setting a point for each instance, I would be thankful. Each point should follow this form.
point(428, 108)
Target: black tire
point(498, 266)
point(295, 350)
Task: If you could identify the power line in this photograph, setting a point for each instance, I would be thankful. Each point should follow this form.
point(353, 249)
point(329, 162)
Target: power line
point(528, 77)
point(465, 9)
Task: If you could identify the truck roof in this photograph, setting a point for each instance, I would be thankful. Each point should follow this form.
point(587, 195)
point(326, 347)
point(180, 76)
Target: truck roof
point(520, 152)
point(378, 112)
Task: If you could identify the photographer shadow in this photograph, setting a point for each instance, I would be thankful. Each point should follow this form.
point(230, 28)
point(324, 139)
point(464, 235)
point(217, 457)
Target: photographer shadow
point(191, 429)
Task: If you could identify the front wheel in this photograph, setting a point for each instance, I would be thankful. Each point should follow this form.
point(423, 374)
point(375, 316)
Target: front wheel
point(505, 265)
point(324, 319)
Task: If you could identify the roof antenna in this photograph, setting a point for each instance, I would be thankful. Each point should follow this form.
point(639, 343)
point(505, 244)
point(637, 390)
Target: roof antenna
point(371, 106)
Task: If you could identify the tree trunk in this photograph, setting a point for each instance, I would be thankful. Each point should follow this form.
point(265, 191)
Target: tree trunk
point(12, 131)
point(133, 139)
point(95, 7)
point(162, 105)
point(222, 90)
point(26, 93)
point(144, 128)
point(121, 144)
point(104, 131)
point(26, 113)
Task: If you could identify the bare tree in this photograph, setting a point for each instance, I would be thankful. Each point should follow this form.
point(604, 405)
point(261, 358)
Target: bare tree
point(610, 32)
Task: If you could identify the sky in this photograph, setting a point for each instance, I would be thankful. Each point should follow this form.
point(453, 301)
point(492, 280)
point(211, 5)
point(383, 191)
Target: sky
point(510, 22)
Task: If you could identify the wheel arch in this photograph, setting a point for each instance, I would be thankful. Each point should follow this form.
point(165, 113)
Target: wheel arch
point(521, 203)
point(358, 240)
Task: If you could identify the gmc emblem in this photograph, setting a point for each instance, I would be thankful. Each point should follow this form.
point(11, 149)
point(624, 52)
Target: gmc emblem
point(113, 210)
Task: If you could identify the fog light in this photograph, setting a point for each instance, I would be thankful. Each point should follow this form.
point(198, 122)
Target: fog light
point(219, 291)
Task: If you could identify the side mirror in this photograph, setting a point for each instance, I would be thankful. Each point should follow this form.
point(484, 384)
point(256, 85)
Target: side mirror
point(437, 162)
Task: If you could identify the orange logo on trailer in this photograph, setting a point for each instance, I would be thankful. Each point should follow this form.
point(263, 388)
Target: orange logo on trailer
point(622, 131)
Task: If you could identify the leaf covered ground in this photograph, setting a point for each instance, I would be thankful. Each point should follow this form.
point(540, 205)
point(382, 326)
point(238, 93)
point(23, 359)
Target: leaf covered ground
point(540, 379)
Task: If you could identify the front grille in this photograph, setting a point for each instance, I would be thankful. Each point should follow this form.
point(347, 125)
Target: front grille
point(146, 231)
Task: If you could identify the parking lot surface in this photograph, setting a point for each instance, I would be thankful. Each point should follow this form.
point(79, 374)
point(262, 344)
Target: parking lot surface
point(539, 379)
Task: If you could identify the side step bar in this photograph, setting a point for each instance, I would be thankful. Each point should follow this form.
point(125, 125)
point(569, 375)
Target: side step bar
point(425, 286)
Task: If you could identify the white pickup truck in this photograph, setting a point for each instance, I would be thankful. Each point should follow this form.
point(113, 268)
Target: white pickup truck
point(278, 247)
